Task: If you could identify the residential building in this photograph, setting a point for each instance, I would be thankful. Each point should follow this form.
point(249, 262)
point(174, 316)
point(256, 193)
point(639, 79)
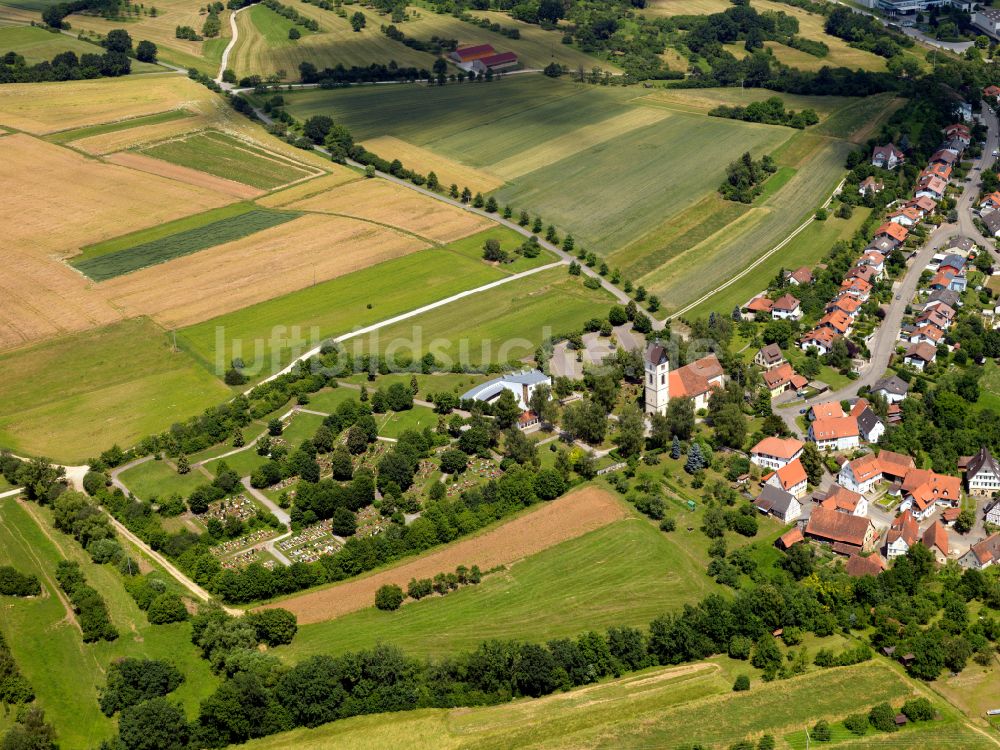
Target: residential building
point(894, 466)
point(926, 334)
point(777, 502)
point(925, 491)
point(783, 378)
point(993, 514)
point(908, 217)
point(982, 474)
point(843, 500)
point(870, 426)
point(800, 276)
point(870, 185)
point(892, 388)
point(920, 355)
point(903, 534)
point(932, 187)
point(826, 410)
point(786, 307)
point(791, 478)
point(847, 533)
point(943, 296)
point(835, 434)
point(887, 157)
point(849, 306)
point(760, 304)
point(837, 321)
point(944, 156)
point(858, 288)
point(774, 452)
point(769, 357)
point(992, 92)
point(992, 220)
point(820, 339)
point(521, 384)
point(865, 565)
point(862, 475)
point(935, 539)
point(984, 554)
point(991, 201)
point(892, 232)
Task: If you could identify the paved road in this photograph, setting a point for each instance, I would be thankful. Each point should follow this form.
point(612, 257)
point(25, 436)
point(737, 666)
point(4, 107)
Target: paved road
point(11, 493)
point(957, 47)
point(967, 201)
point(885, 339)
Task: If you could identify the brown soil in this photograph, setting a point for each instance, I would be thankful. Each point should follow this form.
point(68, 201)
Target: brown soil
point(566, 518)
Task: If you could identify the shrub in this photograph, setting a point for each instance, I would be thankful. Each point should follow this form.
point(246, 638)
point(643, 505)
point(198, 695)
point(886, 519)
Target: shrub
point(275, 627)
point(918, 709)
point(389, 597)
point(742, 683)
point(821, 731)
point(132, 681)
point(856, 724)
point(883, 718)
point(167, 608)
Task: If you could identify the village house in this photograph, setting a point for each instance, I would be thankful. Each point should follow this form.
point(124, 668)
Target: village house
point(935, 539)
point(865, 565)
point(920, 355)
point(870, 185)
point(923, 204)
point(790, 538)
point(893, 388)
point(820, 339)
point(887, 157)
point(924, 491)
point(865, 273)
point(843, 500)
point(786, 307)
point(893, 232)
point(925, 334)
point(826, 410)
point(942, 171)
point(870, 427)
point(861, 475)
point(982, 474)
point(776, 502)
point(465, 55)
point(895, 466)
point(497, 63)
point(982, 555)
point(760, 304)
point(993, 514)
point(774, 452)
point(783, 378)
point(991, 92)
point(903, 534)
point(939, 316)
point(697, 380)
point(769, 357)
point(944, 156)
point(958, 132)
point(837, 321)
point(908, 217)
point(991, 201)
point(835, 434)
point(800, 276)
point(846, 533)
point(857, 288)
point(992, 222)
point(791, 478)
point(943, 297)
point(884, 245)
point(932, 187)
point(847, 305)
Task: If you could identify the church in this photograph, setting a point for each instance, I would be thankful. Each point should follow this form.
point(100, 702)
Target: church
point(694, 381)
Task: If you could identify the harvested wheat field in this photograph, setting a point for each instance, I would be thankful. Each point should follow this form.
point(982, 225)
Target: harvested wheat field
point(568, 517)
point(575, 141)
point(286, 196)
point(186, 175)
point(267, 264)
point(142, 135)
point(42, 216)
point(50, 107)
point(422, 160)
point(383, 202)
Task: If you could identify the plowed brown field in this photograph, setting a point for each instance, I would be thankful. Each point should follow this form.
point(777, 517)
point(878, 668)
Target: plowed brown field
point(566, 518)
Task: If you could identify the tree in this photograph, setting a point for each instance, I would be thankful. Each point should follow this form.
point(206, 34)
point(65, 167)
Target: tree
point(675, 448)
point(766, 655)
point(358, 21)
point(541, 403)
point(631, 431)
point(506, 410)
point(918, 709)
point(343, 522)
point(680, 416)
point(274, 427)
point(155, 724)
point(742, 683)
point(31, 732)
point(146, 51)
point(493, 253)
point(294, 33)
point(118, 40)
point(167, 608)
point(730, 426)
point(454, 461)
point(812, 462)
point(389, 597)
point(883, 718)
point(965, 522)
point(821, 731)
point(549, 484)
point(695, 460)
point(183, 466)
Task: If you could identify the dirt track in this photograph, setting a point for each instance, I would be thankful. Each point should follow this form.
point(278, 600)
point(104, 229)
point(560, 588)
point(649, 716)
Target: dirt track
point(566, 518)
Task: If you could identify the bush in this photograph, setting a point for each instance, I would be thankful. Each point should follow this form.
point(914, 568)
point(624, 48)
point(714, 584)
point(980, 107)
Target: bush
point(167, 608)
point(132, 681)
point(275, 627)
point(821, 731)
point(15, 583)
point(389, 597)
point(918, 709)
point(856, 724)
point(883, 718)
point(742, 683)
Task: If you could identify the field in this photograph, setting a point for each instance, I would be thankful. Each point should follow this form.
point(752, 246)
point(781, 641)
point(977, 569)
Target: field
point(625, 573)
point(383, 202)
point(260, 50)
point(539, 528)
point(231, 159)
point(46, 642)
point(272, 262)
point(93, 131)
point(658, 708)
point(503, 324)
point(37, 45)
point(418, 418)
point(585, 158)
point(74, 397)
point(159, 479)
point(267, 333)
point(700, 101)
point(448, 171)
point(111, 264)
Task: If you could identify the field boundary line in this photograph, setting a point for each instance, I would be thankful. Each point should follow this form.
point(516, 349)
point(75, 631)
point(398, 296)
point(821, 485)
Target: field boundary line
point(795, 233)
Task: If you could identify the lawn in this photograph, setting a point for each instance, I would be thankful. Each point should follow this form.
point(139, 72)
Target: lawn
point(658, 708)
point(989, 387)
point(159, 479)
point(230, 158)
point(501, 325)
point(65, 136)
point(265, 335)
point(472, 249)
point(47, 646)
point(393, 424)
point(71, 398)
point(625, 573)
point(175, 245)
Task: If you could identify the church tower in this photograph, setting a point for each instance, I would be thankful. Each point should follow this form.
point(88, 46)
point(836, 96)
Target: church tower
point(657, 379)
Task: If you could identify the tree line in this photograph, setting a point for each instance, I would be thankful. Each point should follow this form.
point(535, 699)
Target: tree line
point(68, 66)
point(771, 111)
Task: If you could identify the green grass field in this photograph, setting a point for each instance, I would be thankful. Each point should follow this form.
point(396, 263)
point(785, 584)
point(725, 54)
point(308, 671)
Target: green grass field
point(47, 645)
point(65, 136)
point(73, 397)
point(36, 44)
point(263, 333)
point(418, 418)
point(111, 264)
point(230, 158)
point(158, 479)
point(625, 573)
point(658, 708)
point(499, 325)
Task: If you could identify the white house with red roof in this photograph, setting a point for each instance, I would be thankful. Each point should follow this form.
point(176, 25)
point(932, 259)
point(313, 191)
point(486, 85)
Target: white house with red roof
point(774, 452)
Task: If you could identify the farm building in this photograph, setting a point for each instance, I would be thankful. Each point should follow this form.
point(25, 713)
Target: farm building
point(521, 384)
point(865, 565)
point(497, 63)
point(847, 533)
point(465, 56)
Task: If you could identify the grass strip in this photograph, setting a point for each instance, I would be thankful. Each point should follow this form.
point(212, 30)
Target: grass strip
point(76, 134)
